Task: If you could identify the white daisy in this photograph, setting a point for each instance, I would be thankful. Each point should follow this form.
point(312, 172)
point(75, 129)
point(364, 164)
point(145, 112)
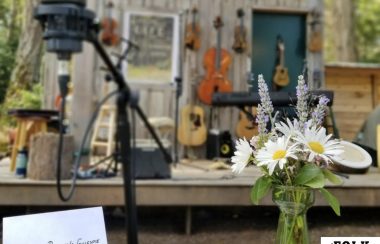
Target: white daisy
point(275, 152)
point(318, 144)
point(288, 129)
point(242, 155)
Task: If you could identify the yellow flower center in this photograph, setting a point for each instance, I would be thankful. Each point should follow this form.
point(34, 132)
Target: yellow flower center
point(316, 147)
point(279, 154)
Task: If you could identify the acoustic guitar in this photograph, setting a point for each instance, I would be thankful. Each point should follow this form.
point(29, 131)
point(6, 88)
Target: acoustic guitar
point(192, 130)
point(246, 126)
point(240, 41)
point(216, 62)
point(193, 32)
point(281, 76)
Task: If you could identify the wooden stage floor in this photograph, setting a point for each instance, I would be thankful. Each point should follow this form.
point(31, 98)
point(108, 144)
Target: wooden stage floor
point(191, 184)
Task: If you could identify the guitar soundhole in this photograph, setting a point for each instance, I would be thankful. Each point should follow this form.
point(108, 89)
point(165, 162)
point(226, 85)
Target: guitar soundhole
point(190, 45)
point(196, 120)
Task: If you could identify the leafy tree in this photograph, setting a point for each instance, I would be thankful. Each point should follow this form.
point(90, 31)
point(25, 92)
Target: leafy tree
point(368, 30)
point(10, 25)
point(365, 34)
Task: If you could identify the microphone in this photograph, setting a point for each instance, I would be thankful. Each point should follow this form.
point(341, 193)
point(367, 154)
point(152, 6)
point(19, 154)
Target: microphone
point(65, 25)
point(131, 44)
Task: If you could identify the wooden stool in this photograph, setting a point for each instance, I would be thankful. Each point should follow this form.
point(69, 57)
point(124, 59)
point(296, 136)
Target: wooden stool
point(29, 122)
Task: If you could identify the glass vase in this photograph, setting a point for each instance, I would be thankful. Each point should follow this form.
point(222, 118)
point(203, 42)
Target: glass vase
point(293, 202)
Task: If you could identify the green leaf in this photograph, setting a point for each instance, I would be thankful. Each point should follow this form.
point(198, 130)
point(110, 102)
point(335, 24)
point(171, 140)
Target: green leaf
point(331, 200)
point(333, 178)
point(310, 175)
point(260, 189)
point(316, 182)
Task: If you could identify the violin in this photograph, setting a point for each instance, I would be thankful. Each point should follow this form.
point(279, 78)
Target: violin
point(315, 44)
point(240, 42)
point(193, 31)
point(216, 61)
point(109, 26)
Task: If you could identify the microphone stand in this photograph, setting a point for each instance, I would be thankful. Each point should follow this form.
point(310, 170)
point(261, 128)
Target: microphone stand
point(125, 99)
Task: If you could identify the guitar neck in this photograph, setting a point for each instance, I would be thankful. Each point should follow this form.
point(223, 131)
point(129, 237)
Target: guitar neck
point(218, 49)
point(241, 24)
point(193, 77)
point(282, 58)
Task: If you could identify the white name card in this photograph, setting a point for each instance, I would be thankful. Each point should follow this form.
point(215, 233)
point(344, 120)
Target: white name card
point(81, 226)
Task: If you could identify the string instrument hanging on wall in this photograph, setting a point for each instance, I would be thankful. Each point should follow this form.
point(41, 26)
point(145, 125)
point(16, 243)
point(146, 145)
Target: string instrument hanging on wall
point(315, 42)
point(240, 41)
point(109, 36)
point(281, 76)
point(193, 32)
point(216, 62)
point(192, 130)
point(246, 126)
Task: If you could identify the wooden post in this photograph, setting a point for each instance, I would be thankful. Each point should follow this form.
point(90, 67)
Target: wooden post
point(188, 220)
point(43, 156)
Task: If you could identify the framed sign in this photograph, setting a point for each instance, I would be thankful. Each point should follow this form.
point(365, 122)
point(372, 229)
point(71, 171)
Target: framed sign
point(157, 35)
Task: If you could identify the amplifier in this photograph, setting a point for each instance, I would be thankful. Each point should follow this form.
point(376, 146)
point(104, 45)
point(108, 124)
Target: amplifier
point(149, 161)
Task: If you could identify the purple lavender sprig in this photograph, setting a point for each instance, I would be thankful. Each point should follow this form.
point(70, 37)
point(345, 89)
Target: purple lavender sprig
point(261, 120)
point(302, 101)
point(319, 113)
point(265, 100)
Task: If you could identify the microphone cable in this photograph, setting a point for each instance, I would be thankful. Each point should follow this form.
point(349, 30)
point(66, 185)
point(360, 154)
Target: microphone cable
point(82, 145)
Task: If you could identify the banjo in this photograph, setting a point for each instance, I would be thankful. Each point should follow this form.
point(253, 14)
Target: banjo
point(354, 159)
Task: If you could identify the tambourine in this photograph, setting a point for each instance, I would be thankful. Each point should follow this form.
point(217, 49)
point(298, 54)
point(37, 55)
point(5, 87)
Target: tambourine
point(354, 159)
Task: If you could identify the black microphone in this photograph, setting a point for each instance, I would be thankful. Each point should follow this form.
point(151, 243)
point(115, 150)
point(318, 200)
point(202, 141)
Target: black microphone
point(65, 25)
point(131, 44)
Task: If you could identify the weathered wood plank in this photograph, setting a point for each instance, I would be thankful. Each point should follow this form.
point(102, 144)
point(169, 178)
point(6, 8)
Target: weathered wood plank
point(187, 187)
point(208, 10)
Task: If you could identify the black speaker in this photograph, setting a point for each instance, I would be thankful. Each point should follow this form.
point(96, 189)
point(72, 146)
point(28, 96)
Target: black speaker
point(150, 162)
point(219, 144)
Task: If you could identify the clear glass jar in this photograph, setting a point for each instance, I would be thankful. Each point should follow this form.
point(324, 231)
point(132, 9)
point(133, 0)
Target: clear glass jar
point(293, 202)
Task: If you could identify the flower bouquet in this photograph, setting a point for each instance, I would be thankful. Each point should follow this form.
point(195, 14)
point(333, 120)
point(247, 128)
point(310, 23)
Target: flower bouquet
point(293, 155)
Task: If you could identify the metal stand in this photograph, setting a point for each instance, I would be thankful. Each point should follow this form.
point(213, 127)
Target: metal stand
point(123, 140)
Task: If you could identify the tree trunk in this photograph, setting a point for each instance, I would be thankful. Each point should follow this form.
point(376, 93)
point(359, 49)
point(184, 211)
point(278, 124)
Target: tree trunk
point(28, 54)
point(14, 23)
point(344, 43)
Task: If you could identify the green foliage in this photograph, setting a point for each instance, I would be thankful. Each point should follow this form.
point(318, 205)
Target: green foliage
point(310, 175)
point(27, 99)
point(331, 200)
point(7, 59)
point(366, 27)
point(367, 19)
point(9, 38)
point(333, 178)
point(260, 189)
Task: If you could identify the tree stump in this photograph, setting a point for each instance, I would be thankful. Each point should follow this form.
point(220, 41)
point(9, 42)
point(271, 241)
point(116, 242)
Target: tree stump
point(43, 149)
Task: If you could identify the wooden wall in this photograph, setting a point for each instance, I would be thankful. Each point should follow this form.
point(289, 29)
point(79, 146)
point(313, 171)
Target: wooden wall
point(356, 93)
point(159, 100)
